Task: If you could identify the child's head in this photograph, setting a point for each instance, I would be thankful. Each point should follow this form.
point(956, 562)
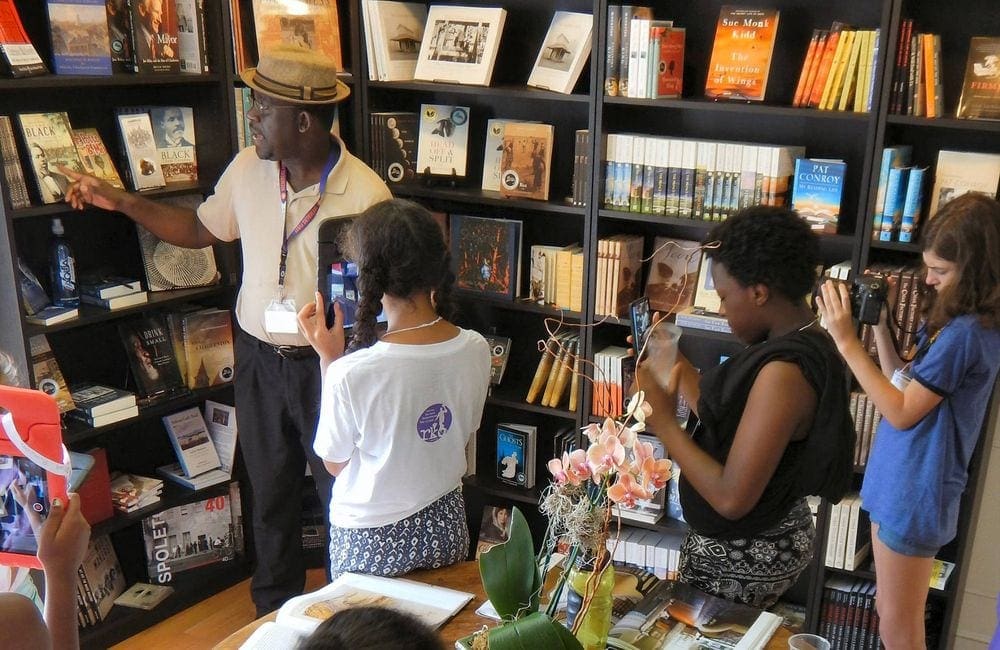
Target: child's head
point(372, 628)
point(962, 261)
point(767, 245)
point(400, 250)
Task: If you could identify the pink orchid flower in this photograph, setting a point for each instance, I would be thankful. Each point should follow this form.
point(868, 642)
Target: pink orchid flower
point(576, 466)
point(559, 470)
point(627, 435)
point(605, 455)
point(627, 491)
point(642, 451)
point(656, 472)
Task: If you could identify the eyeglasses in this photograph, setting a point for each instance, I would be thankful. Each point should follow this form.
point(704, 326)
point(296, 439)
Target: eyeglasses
point(264, 109)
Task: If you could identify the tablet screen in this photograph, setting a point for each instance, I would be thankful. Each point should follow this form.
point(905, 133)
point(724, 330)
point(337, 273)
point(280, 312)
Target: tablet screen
point(24, 503)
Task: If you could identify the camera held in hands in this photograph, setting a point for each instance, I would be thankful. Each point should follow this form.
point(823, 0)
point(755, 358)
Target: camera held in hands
point(868, 295)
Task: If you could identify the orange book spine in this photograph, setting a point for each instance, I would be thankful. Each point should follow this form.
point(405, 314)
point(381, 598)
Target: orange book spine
point(807, 66)
point(823, 70)
point(927, 43)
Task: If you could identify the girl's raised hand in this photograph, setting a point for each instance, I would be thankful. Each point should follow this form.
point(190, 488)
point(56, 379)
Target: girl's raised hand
point(329, 343)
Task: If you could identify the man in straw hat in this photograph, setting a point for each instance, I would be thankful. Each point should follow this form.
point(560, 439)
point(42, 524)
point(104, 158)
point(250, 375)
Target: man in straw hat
point(272, 198)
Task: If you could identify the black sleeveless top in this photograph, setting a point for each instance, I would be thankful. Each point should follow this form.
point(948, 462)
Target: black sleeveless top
point(820, 464)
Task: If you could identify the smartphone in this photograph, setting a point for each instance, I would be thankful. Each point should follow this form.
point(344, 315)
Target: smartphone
point(642, 319)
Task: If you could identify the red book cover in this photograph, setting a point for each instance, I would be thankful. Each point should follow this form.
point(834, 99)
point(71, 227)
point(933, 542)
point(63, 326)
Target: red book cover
point(670, 69)
point(823, 69)
point(808, 74)
point(95, 492)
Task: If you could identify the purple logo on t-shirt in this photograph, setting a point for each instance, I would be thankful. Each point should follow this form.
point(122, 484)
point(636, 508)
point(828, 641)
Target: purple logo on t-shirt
point(434, 422)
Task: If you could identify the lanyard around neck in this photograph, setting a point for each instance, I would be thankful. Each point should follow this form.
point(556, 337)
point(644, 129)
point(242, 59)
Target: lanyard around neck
point(306, 219)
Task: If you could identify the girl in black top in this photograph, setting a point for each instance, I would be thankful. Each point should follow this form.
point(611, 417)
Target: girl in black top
point(773, 425)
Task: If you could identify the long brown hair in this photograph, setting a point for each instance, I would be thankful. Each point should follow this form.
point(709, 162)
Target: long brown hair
point(966, 232)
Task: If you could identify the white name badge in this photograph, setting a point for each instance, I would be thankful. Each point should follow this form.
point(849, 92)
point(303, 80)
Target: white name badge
point(901, 378)
point(280, 317)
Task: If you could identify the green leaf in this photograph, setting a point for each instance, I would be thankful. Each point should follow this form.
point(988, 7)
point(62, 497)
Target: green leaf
point(536, 630)
point(510, 574)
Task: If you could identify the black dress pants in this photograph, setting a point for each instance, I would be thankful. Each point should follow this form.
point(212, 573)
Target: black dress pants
point(277, 409)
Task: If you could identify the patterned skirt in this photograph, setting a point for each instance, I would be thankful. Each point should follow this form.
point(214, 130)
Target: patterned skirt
point(753, 570)
point(434, 537)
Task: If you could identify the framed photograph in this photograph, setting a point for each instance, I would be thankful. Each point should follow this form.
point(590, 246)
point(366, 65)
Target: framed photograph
point(460, 44)
point(563, 53)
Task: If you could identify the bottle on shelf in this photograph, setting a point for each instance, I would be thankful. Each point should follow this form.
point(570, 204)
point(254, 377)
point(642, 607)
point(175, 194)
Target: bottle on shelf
point(62, 268)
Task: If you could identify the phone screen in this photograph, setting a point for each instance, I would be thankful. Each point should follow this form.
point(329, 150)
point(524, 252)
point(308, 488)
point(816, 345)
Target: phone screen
point(642, 318)
point(24, 504)
point(342, 286)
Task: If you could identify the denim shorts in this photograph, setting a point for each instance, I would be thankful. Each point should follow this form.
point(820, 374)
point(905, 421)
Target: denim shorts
point(904, 546)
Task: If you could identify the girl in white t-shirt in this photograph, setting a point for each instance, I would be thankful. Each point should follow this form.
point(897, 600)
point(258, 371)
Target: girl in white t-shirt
point(398, 410)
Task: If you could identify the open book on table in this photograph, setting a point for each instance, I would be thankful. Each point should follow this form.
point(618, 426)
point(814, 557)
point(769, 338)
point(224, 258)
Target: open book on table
point(676, 616)
point(298, 617)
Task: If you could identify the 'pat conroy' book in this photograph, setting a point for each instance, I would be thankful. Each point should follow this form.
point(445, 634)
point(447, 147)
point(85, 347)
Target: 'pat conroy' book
point(18, 57)
point(816, 192)
point(526, 160)
point(48, 137)
point(79, 32)
point(301, 615)
point(152, 358)
point(191, 441)
point(190, 536)
point(313, 25)
point(564, 52)
point(173, 132)
point(443, 140)
point(460, 44)
point(136, 133)
point(741, 53)
point(95, 158)
point(155, 47)
point(486, 255)
point(981, 88)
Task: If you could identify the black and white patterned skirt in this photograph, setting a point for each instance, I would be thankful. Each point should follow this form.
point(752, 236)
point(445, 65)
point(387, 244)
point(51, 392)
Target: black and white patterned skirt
point(753, 570)
point(434, 537)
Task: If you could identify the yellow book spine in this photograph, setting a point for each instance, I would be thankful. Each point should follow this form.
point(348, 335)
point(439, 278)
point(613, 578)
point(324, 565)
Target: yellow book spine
point(836, 76)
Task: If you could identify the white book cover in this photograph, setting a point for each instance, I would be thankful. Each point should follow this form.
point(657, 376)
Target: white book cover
point(443, 140)
point(221, 422)
point(959, 172)
point(564, 52)
point(398, 29)
point(705, 295)
point(460, 44)
point(190, 438)
point(140, 148)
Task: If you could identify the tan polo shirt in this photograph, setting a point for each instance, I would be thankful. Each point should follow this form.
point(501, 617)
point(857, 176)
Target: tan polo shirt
point(246, 206)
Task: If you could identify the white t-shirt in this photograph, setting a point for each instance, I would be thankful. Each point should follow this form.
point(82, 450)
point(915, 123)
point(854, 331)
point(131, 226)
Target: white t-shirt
point(402, 415)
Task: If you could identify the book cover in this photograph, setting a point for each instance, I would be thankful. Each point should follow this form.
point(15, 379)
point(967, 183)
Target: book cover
point(208, 347)
point(912, 204)
point(486, 255)
point(499, 353)
point(817, 191)
point(221, 421)
point(17, 189)
point(154, 36)
point(958, 172)
point(130, 492)
point(152, 358)
point(980, 98)
point(52, 314)
point(79, 32)
point(673, 274)
point(493, 153)
point(397, 31)
point(48, 376)
point(96, 399)
point(613, 44)
point(741, 53)
point(48, 137)
point(174, 267)
point(188, 536)
point(443, 141)
point(107, 285)
point(192, 45)
point(18, 57)
point(95, 157)
point(564, 52)
point(136, 135)
point(705, 295)
point(626, 280)
point(311, 25)
point(117, 302)
point(175, 472)
point(512, 450)
point(396, 137)
point(173, 132)
point(101, 577)
point(526, 160)
point(143, 595)
point(669, 70)
point(191, 441)
point(460, 44)
point(120, 35)
point(494, 529)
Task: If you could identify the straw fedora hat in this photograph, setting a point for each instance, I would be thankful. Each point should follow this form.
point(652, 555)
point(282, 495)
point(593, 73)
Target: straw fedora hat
point(296, 75)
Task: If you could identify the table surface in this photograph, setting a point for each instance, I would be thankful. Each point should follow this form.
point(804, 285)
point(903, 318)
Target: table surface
point(463, 576)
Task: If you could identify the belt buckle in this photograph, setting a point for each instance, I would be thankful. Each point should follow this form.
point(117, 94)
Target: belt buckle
point(285, 351)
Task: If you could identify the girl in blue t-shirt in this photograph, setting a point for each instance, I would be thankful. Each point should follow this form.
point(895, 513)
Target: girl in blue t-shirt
point(932, 402)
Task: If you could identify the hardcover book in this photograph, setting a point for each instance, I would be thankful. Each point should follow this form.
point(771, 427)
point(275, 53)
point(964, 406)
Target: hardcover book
point(817, 191)
point(958, 172)
point(189, 436)
point(526, 160)
point(221, 421)
point(460, 44)
point(395, 30)
point(175, 472)
point(120, 34)
point(668, 64)
point(152, 358)
point(673, 274)
point(741, 53)
point(207, 337)
point(99, 580)
point(564, 52)
point(79, 32)
point(493, 153)
point(192, 45)
point(395, 141)
point(48, 376)
point(154, 37)
point(981, 87)
point(95, 157)
point(189, 536)
point(443, 142)
point(48, 137)
point(17, 189)
point(494, 529)
point(136, 134)
point(95, 399)
point(173, 132)
point(18, 57)
point(311, 25)
point(107, 285)
point(173, 267)
point(486, 255)
point(52, 314)
point(516, 454)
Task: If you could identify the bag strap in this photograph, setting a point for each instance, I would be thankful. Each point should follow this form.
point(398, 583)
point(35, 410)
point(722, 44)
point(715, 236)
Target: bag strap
point(64, 468)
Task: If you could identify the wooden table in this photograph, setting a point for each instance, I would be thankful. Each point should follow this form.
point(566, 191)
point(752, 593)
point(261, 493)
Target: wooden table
point(464, 577)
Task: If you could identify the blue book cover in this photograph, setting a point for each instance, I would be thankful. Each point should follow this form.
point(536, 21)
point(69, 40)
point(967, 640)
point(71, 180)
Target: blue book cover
point(912, 204)
point(80, 41)
point(892, 213)
point(512, 448)
point(817, 192)
point(898, 156)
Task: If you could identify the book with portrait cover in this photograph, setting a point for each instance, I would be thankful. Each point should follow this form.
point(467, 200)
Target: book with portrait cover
point(48, 137)
point(95, 157)
point(152, 359)
point(135, 131)
point(173, 133)
point(981, 87)
point(79, 32)
point(443, 141)
point(99, 581)
point(673, 274)
point(526, 160)
point(516, 454)
point(120, 35)
point(313, 25)
point(189, 536)
point(155, 46)
point(564, 52)
point(174, 267)
point(741, 53)
point(486, 255)
point(18, 57)
point(48, 376)
point(494, 529)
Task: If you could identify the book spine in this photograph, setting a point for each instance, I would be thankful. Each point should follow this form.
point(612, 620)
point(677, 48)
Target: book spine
point(807, 65)
point(927, 53)
point(937, 81)
point(872, 70)
point(611, 58)
point(609, 171)
point(892, 214)
point(638, 166)
point(900, 72)
point(542, 372)
point(912, 204)
point(624, 47)
point(823, 72)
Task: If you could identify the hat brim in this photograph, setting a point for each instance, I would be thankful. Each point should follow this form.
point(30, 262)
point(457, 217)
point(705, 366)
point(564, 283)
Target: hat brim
point(340, 93)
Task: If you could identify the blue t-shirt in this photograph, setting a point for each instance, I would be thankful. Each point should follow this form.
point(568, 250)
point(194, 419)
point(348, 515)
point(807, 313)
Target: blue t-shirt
point(916, 476)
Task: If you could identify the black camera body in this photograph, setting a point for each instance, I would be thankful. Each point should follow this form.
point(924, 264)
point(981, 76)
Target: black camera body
point(868, 295)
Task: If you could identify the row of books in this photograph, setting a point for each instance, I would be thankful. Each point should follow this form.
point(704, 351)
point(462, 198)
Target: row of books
point(656, 552)
point(102, 290)
point(917, 86)
point(556, 276)
point(558, 374)
point(839, 69)
point(694, 179)
point(848, 618)
point(646, 56)
point(92, 37)
point(614, 369)
point(866, 420)
point(101, 585)
point(847, 541)
point(619, 273)
point(310, 25)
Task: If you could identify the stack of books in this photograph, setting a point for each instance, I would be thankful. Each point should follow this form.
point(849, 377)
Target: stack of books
point(130, 492)
point(200, 463)
point(111, 292)
point(99, 405)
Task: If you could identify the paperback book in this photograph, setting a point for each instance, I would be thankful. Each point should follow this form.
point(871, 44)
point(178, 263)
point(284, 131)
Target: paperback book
point(173, 132)
point(817, 191)
point(311, 25)
point(79, 32)
point(959, 172)
point(443, 140)
point(48, 137)
point(207, 337)
point(192, 41)
point(493, 153)
point(394, 145)
point(136, 134)
point(120, 35)
point(95, 157)
point(486, 255)
point(222, 428)
point(152, 359)
point(494, 529)
point(394, 31)
point(981, 87)
point(526, 160)
point(564, 52)
point(18, 57)
point(673, 274)
point(94, 399)
point(107, 285)
point(516, 454)
point(189, 536)
point(99, 581)
point(48, 376)
point(143, 595)
point(189, 437)
point(499, 353)
point(17, 189)
point(741, 53)
point(155, 37)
